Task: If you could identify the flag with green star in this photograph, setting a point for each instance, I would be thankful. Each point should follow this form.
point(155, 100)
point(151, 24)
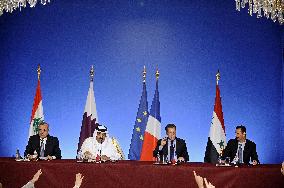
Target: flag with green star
point(217, 137)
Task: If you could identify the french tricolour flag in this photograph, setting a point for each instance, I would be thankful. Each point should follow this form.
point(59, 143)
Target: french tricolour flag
point(153, 128)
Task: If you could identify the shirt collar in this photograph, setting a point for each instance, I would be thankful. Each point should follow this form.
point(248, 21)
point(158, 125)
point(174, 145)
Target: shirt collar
point(169, 141)
point(243, 143)
point(44, 139)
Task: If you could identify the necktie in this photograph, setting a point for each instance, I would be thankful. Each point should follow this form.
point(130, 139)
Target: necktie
point(240, 154)
point(172, 150)
point(41, 154)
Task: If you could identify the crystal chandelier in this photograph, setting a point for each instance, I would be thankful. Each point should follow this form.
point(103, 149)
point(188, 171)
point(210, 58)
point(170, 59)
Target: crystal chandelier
point(11, 5)
point(273, 9)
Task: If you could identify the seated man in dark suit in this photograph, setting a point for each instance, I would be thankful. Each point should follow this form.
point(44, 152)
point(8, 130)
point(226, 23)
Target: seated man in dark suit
point(171, 146)
point(44, 144)
point(240, 149)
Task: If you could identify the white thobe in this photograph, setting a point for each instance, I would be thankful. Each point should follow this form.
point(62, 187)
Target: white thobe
point(96, 148)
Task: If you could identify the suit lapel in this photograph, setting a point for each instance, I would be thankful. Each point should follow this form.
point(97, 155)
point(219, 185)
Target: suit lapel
point(177, 146)
point(235, 148)
point(37, 144)
point(246, 149)
point(46, 149)
point(165, 148)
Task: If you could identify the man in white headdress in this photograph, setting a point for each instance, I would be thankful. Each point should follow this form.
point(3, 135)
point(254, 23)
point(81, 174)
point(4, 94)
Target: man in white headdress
point(100, 146)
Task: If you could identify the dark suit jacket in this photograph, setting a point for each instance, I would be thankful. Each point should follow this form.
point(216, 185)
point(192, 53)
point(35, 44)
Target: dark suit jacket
point(181, 150)
point(51, 146)
point(249, 152)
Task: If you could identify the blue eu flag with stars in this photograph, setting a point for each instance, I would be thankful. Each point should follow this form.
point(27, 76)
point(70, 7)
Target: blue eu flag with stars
point(139, 127)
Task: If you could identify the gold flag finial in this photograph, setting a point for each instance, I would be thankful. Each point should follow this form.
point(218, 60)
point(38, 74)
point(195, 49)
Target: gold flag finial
point(38, 71)
point(92, 73)
point(144, 74)
point(218, 77)
point(157, 74)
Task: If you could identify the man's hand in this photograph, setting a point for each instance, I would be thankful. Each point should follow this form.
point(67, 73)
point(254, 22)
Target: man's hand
point(282, 169)
point(181, 159)
point(164, 141)
point(49, 158)
point(208, 184)
point(105, 158)
point(254, 162)
point(30, 157)
point(36, 176)
point(78, 180)
point(199, 180)
point(87, 155)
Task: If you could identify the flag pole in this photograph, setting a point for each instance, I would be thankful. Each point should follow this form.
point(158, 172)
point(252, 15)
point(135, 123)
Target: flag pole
point(218, 76)
point(157, 74)
point(38, 72)
point(144, 74)
point(92, 73)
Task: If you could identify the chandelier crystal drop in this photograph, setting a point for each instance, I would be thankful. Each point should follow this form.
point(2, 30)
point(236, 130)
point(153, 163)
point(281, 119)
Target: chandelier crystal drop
point(11, 5)
point(271, 9)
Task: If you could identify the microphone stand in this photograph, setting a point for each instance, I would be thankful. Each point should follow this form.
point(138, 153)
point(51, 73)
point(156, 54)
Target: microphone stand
point(101, 150)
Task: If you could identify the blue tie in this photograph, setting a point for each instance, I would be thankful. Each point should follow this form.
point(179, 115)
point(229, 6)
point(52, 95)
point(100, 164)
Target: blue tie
point(240, 154)
point(172, 150)
point(41, 154)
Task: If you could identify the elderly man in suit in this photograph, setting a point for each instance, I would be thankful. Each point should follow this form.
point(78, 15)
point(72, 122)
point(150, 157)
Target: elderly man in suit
point(171, 146)
point(241, 150)
point(46, 146)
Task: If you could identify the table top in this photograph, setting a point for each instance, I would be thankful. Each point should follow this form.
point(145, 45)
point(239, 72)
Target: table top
point(136, 174)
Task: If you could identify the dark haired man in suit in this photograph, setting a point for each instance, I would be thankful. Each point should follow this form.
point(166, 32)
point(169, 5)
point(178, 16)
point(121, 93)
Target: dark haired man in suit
point(45, 145)
point(171, 146)
point(240, 149)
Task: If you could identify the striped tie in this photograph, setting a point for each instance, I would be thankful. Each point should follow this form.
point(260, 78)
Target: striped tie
point(41, 154)
point(240, 154)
